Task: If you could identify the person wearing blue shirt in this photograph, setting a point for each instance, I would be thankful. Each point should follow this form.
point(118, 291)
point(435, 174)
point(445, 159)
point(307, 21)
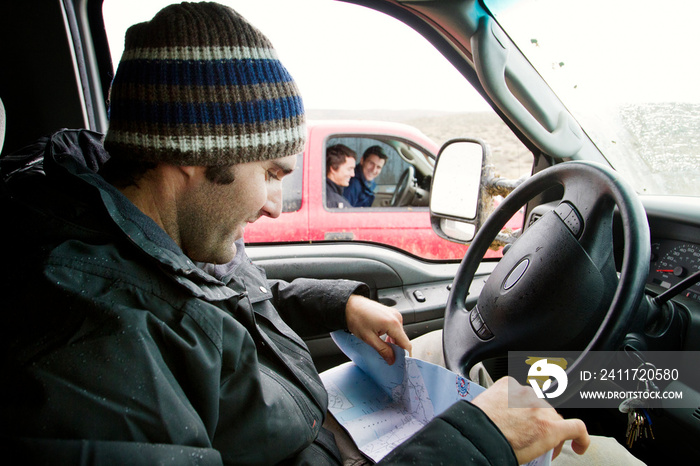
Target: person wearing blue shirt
point(360, 192)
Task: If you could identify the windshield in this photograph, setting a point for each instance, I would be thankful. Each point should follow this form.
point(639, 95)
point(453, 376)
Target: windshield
point(628, 72)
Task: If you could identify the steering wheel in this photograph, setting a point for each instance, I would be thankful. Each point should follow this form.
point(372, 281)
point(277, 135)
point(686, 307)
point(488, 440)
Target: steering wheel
point(405, 188)
point(556, 288)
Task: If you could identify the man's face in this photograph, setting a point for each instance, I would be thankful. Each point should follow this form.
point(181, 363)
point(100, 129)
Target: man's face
point(372, 166)
point(342, 175)
point(212, 216)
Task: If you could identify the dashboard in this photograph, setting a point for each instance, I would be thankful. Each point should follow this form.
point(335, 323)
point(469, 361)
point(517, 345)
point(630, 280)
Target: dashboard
point(674, 224)
point(671, 262)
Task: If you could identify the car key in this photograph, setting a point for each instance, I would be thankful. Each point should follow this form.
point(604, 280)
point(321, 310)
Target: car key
point(634, 427)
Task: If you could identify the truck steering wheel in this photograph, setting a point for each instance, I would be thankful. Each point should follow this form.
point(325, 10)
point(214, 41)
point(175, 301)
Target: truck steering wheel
point(405, 188)
point(557, 287)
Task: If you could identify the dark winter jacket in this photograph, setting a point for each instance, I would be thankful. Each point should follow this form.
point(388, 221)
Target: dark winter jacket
point(334, 196)
point(360, 192)
point(120, 350)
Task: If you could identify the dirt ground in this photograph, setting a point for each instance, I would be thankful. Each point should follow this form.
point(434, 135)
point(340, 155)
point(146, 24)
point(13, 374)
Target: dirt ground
point(509, 155)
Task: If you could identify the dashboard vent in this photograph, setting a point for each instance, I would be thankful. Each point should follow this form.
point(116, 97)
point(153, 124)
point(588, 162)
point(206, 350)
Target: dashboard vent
point(696, 414)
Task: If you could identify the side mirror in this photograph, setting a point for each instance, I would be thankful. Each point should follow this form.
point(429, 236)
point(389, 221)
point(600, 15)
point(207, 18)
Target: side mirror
point(456, 189)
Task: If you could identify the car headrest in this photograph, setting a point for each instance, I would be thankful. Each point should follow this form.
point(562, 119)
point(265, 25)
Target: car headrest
point(2, 125)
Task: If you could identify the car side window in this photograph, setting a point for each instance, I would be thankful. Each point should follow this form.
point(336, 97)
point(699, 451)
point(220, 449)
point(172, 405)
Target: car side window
point(392, 169)
point(346, 102)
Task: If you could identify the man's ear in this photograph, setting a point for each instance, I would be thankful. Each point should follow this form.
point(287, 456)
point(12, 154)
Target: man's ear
point(192, 173)
point(189, 171)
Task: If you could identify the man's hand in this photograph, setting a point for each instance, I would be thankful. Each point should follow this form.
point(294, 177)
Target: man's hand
point(534, 427)
point(369, 320)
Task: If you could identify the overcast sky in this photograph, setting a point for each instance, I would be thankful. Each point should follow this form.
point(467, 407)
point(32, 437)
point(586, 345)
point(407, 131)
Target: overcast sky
point(342, 56)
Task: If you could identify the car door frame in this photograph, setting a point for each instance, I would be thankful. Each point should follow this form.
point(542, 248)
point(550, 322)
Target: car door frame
point(417, 288)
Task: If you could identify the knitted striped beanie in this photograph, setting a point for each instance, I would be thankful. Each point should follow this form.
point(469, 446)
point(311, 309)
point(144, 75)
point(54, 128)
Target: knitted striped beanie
point(199, 85)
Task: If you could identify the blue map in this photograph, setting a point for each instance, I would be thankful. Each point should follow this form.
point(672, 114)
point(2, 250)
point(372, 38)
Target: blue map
point(381, 405)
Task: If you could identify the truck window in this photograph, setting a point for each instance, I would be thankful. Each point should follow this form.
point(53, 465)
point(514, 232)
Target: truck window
point(394, 166)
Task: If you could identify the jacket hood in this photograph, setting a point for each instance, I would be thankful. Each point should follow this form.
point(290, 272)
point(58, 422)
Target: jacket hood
point(58, 176)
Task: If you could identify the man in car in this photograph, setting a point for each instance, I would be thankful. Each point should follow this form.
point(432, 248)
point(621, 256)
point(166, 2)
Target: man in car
point(137, 331)
point(360, 191)
point(340, 168)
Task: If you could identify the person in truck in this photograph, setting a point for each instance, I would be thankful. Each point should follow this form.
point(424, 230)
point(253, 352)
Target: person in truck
point(360, 191)
point(340, 168)
point(154, 339)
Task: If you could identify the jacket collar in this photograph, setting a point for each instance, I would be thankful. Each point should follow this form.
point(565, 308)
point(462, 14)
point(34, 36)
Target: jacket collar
point(360, 175)
point(335, 187)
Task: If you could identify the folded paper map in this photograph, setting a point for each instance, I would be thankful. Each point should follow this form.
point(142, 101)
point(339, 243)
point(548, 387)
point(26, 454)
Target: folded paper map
point(381, 405)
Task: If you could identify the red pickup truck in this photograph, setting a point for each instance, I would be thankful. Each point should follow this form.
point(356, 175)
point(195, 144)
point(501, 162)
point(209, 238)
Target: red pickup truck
point(401, 221)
